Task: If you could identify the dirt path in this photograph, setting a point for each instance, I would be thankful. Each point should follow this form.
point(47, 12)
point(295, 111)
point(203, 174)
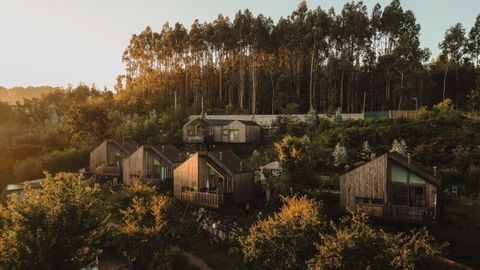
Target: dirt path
point(197, 262)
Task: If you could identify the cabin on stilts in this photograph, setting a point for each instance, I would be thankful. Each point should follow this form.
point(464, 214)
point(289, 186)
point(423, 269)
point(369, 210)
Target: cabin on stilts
point(213, 179)
point(202, 130)
point(107, 159)
point(152, 165)
point(393, 186)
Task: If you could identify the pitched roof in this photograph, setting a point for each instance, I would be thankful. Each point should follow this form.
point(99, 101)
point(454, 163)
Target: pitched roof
point(415, 167)
point(249, 122)
point(229, 161)
point(172, 153)
point(273, 166)
point(218, 122)
point(128, 145)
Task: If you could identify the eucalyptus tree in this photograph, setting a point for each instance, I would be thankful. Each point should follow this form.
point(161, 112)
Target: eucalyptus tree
point(453, 50)
point(474, 42)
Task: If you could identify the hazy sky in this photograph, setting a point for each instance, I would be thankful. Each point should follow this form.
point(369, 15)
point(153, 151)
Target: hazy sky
point(56, 42)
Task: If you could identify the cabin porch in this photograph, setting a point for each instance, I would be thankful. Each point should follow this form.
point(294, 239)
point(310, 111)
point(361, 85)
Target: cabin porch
point(207, 199)
point(402, 212)
point(106, 170)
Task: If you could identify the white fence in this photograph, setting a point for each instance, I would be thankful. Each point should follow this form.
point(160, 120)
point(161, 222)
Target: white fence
point(267, 119)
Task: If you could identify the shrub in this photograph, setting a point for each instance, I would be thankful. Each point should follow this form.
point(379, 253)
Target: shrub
point(285, 240)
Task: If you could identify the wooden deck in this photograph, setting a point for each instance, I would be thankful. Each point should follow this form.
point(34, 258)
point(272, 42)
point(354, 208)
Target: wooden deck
point(412, 212)
point(107, 171)
point(203, 198)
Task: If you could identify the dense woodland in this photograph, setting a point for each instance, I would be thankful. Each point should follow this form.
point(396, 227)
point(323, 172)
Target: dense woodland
point(314, 58)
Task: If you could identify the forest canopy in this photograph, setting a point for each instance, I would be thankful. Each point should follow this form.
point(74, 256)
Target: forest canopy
point(358, 58)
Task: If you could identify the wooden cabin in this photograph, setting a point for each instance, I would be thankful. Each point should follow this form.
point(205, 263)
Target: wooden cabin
point(392, 186)
point(213, 179)
point(106, 160)
point(152, 165)
point(202, 130)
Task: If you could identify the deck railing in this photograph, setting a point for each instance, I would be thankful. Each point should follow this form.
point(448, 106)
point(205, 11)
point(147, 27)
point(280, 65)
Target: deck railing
point(203, 198)
point(375, 210)
point(413, 212)
point(107, 170)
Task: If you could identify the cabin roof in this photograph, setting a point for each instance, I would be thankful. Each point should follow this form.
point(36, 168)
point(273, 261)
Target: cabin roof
point(172, 153)
point(249, 122)
point(229, 161)
point(218, 122)
point(415, 167)
point(223, 122)
point(273, 166)
point(128, 145)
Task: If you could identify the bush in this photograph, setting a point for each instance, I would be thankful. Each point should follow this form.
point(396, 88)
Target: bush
point(60, 226)
point(285, 240)
point(355, 245)
point(148, 229)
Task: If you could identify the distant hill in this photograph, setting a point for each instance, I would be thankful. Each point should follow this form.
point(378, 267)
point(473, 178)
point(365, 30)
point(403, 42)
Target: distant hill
point(14, 94)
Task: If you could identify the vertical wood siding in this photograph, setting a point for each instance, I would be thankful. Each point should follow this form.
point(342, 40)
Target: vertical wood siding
point(366, 181)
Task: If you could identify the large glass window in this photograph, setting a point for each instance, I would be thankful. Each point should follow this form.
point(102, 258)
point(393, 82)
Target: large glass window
point(399, 175)
point(400, 194)
point(407, 188)
point(234, 135)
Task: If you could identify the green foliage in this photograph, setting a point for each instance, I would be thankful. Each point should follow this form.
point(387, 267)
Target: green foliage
point(292, 154)
point(171, 259)
point(60, 226)
point(86, 124)
point(285, 240)
point(123, 198)
point(340, 156)
point(355, 245)
point(68, 160)
point(150, 225)
point(444, 106)
point(399, 146)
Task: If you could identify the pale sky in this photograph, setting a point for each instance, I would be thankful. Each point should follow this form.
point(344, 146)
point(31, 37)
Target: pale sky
point(57, 42)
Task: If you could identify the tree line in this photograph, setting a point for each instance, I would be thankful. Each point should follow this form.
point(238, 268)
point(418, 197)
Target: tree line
point(317, 59)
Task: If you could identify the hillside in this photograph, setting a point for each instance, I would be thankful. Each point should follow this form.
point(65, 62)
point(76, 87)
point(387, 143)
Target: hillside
point(14, 94)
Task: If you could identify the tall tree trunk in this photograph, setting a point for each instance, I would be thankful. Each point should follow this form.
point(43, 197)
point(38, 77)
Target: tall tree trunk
point(341, 90)
point(220, 69)
point(242, 83)
point(311, 79)
point(273, 91)
point(254, 85)
point(298, 72)
point(456, 85)
point(445, 82)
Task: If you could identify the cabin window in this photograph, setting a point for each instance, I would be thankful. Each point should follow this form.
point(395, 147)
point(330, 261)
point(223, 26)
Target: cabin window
point(408, 188)
point(156, 168)
point(234, 135)
point(225, 132)
point(115, 158)
point(163, 173)
point(400, 194)
point(417, 196)
point(364, 200)
point(399, 175)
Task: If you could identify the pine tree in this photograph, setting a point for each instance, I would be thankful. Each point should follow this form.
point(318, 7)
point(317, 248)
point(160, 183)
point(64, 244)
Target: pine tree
point(340, 156)
point(399, 146)
point(367, 153)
